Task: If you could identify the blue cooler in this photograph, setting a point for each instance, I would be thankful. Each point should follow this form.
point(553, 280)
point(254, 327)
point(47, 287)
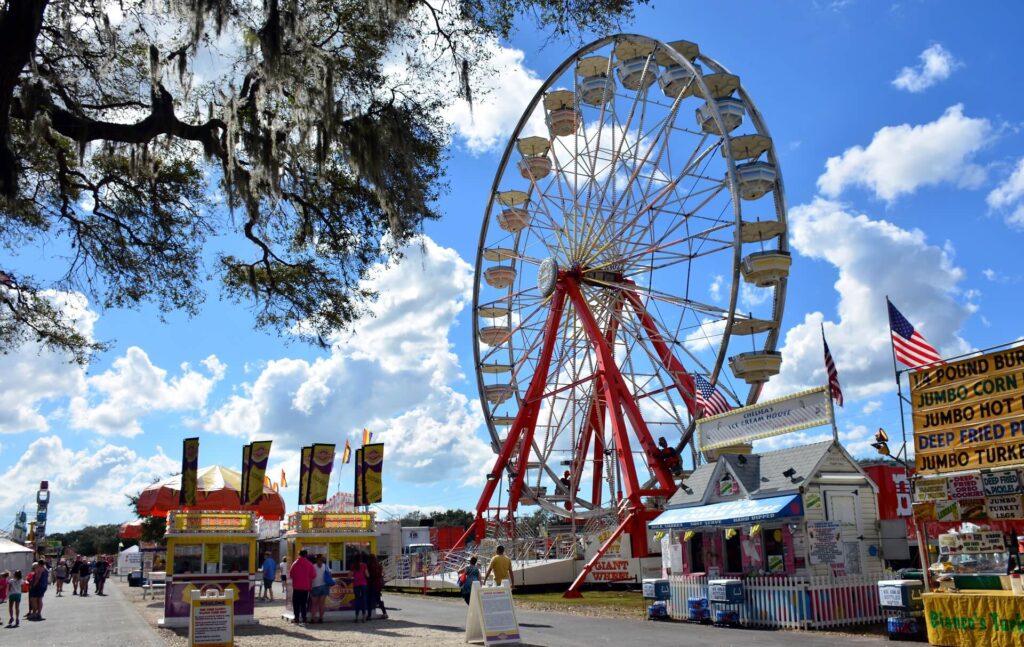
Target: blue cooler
point(901, 595)
point(726, 591)
point(727, 618)
point(656, 589)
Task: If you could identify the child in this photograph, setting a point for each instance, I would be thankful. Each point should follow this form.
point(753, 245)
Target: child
point(14, 600)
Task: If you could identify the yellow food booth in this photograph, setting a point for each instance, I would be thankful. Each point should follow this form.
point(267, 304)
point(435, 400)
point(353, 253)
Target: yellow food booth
point(339, 537)
point(209, 551)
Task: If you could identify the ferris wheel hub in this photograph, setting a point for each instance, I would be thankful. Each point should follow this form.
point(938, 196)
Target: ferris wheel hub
point(547, 277)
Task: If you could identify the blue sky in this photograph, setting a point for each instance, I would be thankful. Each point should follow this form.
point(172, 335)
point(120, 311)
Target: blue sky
point(899, 131)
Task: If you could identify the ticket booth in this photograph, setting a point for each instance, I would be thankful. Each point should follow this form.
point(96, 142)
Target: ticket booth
point(209, 551)
point(339, 537)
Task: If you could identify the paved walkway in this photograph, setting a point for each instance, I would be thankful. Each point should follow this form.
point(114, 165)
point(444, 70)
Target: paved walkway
point(564, 630)
point(93, 621)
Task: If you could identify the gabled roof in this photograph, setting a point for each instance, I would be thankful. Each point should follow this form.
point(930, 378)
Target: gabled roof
point(760, 474)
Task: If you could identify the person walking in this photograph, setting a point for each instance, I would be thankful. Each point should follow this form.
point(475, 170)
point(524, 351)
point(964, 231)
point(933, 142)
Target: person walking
point(360, 573)
point(74, 574)
point(36, 591)
point(376, 587)
point(100, 573)
point(60, 575)
point(467, 575)
point(284, 576)
point(14, 599)
point(501, 566)
point(318, 593)
point(269, 572)
point(83, 577)
point(302, 574)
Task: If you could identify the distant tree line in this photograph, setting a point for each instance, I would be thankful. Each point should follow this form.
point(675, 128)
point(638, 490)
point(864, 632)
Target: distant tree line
point(92, 540)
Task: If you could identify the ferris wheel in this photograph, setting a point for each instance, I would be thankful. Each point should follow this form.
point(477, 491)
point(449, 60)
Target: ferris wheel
point(633, 245)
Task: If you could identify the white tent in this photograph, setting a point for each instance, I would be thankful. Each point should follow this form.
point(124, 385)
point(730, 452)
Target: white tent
point(128, 560)
point(14, 557)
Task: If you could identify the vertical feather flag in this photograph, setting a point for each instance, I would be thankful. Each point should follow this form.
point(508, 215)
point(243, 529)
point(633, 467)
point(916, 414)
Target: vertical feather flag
point(359, 493)
point(259, 456)
point(321, 464)
point(367, 436)
point(307, 456)
point(243, 493)
point(347, 454)
point(189, 471)
point(284, 480)
point(373, 477)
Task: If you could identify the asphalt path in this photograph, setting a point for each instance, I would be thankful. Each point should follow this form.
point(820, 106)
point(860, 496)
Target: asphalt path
point(94, 621)
point(565, 630)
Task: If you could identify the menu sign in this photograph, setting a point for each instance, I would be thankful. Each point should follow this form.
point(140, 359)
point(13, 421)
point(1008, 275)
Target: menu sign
point(965, 486)
point(1005, 507)
point(931, 490)
point(1002, 482)
point(825, 546)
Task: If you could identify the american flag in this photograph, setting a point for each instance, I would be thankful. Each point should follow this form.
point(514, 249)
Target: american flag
point(709, 400)
point(833, 374)
point(910, 347)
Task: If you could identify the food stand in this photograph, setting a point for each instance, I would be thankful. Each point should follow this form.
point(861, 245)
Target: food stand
point(209, 551)
point(339, 537)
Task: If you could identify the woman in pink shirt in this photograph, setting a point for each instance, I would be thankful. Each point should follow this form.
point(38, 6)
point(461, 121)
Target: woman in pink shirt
point(301, 574)
point(359, 576)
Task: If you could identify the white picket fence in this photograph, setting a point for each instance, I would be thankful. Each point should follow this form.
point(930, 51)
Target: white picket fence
point(791, 602)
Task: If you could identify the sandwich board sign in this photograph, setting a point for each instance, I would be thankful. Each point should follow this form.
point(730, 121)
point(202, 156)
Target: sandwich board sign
point(211, 619)
point(492, 616)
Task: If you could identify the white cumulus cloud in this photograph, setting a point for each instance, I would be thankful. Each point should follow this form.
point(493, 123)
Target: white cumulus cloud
point(901, 159)
point(873, 258)
point(936, 65)
point(393, 375)
point(1009, 196)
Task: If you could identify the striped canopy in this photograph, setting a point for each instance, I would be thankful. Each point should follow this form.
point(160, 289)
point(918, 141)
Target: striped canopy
point(218, 489)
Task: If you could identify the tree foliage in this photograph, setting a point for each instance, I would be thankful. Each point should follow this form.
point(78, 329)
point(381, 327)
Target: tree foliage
point(127, 127)
point(91, 540)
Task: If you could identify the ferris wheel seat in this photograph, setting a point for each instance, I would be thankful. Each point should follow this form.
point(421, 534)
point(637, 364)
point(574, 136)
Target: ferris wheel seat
point(751, 326)
point(720, 85)
point(748, 147)
point(596, 90)
point(498, 393)
point(765, 269)
point(756, 179)
point(685, 48)
point(503, 421)
point(676, 80)
point(495, 335)
point(637, 73)
point(758, 231)
point(514, 220)
point(495, 368)
point(756, 366)
point(564, 121)
point(535, 167)
point(500, 276)
point(730, 108)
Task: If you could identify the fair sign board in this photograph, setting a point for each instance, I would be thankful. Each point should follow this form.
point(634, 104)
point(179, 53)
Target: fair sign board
point(211, 621)
point(492, 616)
point(811, 408)
point(969, 414)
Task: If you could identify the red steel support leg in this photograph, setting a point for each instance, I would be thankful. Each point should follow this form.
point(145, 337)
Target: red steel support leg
point(524, 421)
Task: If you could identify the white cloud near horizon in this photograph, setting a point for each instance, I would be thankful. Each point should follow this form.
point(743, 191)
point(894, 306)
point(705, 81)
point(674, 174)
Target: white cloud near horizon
point(937, 64)
point(901, 159)
point(1009, 197)
point(873, 258)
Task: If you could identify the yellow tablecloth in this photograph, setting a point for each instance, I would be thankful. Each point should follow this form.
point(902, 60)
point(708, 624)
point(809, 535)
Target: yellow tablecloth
point(975, 619)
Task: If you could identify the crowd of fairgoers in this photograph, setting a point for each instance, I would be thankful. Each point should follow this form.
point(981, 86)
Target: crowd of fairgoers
point(42, 575)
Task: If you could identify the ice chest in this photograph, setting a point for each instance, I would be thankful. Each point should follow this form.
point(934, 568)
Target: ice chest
point(901, 594)
point(656, 589)
point(726, 591)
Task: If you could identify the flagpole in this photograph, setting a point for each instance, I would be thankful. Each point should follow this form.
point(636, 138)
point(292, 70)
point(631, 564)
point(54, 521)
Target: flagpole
point(828, 378)
point(922, 534)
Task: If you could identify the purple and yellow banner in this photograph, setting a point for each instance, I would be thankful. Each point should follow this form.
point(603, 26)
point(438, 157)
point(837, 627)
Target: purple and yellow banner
point(359, 493)
point(373, 473)
point(320, 472)
point(259, 456)
point(304, 463)
point(243, 495)
point(189, 471)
